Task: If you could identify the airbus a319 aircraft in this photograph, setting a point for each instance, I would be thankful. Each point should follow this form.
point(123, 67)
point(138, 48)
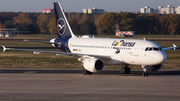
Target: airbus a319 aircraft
point(94, 53)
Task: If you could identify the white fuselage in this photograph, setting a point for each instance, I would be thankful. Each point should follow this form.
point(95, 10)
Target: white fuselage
point(121, 51)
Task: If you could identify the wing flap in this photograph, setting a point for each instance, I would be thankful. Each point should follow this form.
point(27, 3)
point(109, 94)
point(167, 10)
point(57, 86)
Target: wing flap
point(102, 57)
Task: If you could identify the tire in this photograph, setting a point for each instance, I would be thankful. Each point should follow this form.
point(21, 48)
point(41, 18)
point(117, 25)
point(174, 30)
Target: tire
point(123, 70)
point(85, 72)
point(147, 74)
point(144, 74)
point(89, 73)
point(128, 70)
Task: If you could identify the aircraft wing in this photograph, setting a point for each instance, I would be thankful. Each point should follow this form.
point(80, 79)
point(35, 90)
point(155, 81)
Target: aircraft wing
point(40, 41)
point(59, 53)
point(168, 48)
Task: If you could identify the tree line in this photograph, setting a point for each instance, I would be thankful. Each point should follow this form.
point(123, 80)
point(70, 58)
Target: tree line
point(80, 23)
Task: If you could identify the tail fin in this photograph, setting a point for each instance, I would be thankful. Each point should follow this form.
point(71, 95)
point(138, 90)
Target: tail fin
point(63, 27)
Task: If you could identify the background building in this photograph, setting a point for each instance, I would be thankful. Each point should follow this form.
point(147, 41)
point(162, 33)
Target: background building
point(177, 10)
point(7, 32)
point(146, 9)
point(119, 33)
point(169, 9)
point(93, 10)
point(51, 10)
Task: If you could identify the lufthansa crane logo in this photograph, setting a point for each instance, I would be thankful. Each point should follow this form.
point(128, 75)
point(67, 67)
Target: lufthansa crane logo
point(61, 26)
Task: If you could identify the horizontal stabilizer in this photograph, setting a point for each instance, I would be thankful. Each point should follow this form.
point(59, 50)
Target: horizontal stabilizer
point(4, 48)
point(37, 52)
point(41, 41)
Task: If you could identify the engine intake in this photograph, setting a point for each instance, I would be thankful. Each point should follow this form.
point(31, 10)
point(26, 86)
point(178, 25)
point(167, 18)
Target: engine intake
point(154, 67)
point(93, 65)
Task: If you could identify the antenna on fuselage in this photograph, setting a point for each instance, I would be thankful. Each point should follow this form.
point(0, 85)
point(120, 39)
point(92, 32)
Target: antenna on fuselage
point(144, 38)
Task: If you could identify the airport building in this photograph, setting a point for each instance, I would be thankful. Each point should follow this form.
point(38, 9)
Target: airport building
point(93, 10)
point(169, 9)
point(51, 10)
point(7, 32)
point(119, 33)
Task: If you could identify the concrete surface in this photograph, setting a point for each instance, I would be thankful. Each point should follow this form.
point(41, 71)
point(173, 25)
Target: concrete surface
point(71, 85)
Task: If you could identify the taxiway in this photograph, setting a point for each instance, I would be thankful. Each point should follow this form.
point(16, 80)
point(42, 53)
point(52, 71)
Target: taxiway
point(68, 85)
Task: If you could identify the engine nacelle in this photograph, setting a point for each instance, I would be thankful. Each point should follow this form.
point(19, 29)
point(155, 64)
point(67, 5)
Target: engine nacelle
point(93, 65)
point(154, 67)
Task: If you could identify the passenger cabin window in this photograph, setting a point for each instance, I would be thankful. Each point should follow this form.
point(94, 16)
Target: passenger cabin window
point(152, 49)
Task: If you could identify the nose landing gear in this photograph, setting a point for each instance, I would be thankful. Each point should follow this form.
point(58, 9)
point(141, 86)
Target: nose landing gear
point(145, 73)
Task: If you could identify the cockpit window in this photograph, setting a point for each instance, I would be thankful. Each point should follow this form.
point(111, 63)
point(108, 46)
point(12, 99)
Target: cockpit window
point(155, 49)
point(152, 49)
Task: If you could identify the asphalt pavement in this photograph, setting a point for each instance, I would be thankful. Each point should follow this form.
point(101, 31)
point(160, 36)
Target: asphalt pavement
point(71, 85)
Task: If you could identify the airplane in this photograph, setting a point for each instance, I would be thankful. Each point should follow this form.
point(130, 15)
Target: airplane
point(94, 53)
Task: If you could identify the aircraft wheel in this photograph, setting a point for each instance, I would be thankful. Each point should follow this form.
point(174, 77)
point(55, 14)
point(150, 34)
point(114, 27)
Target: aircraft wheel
point(123, 70)
point(145, 74)
point(89, 73)
point(128, 70)
point(85, 72)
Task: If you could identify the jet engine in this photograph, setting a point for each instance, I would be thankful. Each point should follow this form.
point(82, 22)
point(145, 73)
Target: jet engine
point(154, 67)
point(93, 65)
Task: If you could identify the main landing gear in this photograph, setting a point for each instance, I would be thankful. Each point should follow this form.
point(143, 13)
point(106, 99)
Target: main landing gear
point(145, 73)
point(125, 70)
point(85, 72)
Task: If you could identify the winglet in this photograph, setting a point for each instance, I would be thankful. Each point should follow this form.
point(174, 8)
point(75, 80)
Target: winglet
point(4, 48)
point(174, 46)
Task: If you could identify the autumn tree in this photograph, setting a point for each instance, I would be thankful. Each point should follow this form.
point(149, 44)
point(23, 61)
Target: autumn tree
point(127, 24)
point(174, 23)
point(52, 25)
point(163, 24)
point(84, 17)
point(151, 23)
point(106, 23)
point(7, 16)
point(42, 22)
point(1, 25)
point(8, 24)
point(78, 16)
point(87, 27)
point(73, 21)
point(95, 19)
point(141, 24)
point(23, 20)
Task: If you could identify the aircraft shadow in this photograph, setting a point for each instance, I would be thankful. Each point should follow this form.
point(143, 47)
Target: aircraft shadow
point(104, 72)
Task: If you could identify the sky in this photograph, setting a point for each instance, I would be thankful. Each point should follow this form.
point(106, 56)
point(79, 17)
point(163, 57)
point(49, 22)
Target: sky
point(78, 5)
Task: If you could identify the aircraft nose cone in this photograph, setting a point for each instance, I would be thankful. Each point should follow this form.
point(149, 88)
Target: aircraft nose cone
point(161, 57)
